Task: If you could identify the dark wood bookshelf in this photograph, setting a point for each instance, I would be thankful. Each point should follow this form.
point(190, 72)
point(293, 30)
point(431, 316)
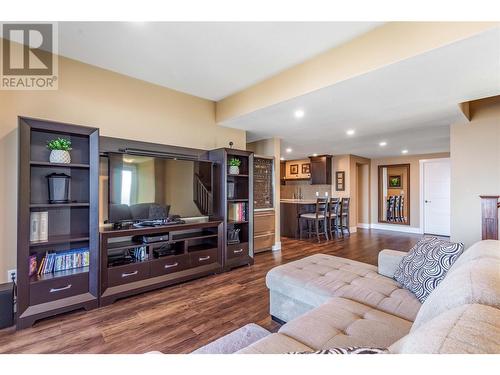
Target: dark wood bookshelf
point(58, 165)
point(72, 225)
point(58, 205)
point(54, 275)
point(241, 253)
point(61, 239)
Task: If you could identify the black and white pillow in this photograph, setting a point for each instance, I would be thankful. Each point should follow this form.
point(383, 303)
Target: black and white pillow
point(347, 350)
point(426, 264)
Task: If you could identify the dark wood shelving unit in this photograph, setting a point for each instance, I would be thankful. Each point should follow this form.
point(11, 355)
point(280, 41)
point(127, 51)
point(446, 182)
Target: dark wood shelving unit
point(196, 252)
point(58, 205)
point(58, 165)
point(72, 225)
point(234, 254)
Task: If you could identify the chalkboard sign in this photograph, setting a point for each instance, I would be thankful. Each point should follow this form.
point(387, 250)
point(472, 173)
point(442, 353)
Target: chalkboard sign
point(263, 183)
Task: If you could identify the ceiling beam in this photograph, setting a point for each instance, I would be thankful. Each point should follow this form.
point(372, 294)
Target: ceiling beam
point(385, 45)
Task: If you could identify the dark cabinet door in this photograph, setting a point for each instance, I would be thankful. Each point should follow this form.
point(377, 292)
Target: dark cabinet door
point(321, 170)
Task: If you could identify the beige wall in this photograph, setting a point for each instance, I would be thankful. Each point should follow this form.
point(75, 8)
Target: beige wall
point(363, 193)
point(342, 163)
point(120, 106)
point(271, 148)
point(413, 160)
point(354, 185)
point(387, 44)
point(475, 167)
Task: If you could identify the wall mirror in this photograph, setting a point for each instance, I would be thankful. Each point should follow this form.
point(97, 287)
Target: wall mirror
point(394, 194)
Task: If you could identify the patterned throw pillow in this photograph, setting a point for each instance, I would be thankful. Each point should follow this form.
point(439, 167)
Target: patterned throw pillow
point(347, 350)
point(426, 264)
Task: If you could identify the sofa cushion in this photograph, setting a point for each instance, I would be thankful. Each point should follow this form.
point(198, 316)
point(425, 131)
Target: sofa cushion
point(344, 323)
point(464, 329)
point(474, 280)
point(317, 278)
point(486, 249)
point(275, 343)
point(426, 265)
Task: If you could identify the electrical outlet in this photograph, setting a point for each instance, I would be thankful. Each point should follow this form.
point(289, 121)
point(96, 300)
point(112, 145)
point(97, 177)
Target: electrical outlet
point(9, 275)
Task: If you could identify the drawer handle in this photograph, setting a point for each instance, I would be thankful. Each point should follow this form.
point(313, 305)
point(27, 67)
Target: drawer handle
point(204, 258)
point(171, 265)
point(238, 251)
point(130, 274)
point(53, 290)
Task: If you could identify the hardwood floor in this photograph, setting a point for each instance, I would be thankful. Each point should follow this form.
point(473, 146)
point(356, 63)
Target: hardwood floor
point(182, 318)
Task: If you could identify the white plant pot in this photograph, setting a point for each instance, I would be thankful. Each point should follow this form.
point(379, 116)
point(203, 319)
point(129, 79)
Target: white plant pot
point(60, 156)
point(234, 170)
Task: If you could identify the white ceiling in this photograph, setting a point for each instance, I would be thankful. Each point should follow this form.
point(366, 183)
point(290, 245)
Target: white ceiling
point(207, 59)
point(409, 105)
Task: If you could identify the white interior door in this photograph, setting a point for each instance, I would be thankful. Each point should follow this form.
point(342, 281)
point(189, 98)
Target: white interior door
point(437, 197)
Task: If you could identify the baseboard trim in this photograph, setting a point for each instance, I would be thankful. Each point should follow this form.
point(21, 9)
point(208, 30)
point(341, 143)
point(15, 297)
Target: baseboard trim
point(397, 228)
point(276, 246)
point(364, 225)
point(353, 229)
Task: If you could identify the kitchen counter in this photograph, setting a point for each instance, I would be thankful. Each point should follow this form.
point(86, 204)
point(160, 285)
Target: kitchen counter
point(290, 211)
point(299, 201)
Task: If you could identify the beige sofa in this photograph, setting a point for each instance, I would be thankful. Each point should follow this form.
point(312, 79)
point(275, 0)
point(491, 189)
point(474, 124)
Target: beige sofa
point(335, 302)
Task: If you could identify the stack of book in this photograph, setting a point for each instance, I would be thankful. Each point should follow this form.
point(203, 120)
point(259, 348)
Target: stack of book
point(66, 260)
point(237, 212)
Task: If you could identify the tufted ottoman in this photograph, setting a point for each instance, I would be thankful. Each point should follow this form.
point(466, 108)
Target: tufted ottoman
point(300, 286)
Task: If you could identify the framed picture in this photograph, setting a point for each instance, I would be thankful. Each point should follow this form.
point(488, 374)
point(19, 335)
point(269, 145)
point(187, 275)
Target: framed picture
point(394, 181)
point(340, 181)
point(306, 168)
point(294, 169)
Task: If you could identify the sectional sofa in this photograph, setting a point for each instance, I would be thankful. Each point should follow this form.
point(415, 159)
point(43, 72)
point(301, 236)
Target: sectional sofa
point(329, 302)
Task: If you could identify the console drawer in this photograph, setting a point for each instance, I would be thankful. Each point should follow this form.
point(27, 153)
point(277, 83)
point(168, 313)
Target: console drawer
point(60, 287)
point(201, 258)
point(169, 264)
point(128, 273)
point(237, 250)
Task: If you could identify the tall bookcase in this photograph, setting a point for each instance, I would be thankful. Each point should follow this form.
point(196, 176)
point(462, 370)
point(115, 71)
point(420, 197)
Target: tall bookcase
point(232, 191)
point(72, 225)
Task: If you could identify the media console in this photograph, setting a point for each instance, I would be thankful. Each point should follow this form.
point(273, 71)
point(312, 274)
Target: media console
point(188, 252)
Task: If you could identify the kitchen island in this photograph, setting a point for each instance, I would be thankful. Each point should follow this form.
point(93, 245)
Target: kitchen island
point(290, 210)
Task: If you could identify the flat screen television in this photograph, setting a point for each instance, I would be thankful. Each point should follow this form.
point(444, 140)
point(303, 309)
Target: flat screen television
point(152, 188)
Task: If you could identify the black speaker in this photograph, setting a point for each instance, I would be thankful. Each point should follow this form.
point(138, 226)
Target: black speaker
point(6, 305)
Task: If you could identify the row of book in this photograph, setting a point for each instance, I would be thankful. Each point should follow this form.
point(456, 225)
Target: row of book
point(60, 261)
point(237, 211)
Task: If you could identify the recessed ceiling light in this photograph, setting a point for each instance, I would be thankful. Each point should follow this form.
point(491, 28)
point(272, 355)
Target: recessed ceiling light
point(382, 144)
point(299, 113)
point(282, 158)
point(404, 151)
point(288, 150)
point(350, 132)
point(315, 155)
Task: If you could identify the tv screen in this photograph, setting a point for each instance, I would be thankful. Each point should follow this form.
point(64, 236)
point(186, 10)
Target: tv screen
point(152, 188)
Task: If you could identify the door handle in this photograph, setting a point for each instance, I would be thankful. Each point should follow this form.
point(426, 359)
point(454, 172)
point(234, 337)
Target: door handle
point(130, 274)
point(171, 265)
point(201, 259)
point(53, 290)
point(238, 251)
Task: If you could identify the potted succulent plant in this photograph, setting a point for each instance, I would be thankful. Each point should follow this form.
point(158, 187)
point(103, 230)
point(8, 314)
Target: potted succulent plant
point(234, 166)
point(59, 150)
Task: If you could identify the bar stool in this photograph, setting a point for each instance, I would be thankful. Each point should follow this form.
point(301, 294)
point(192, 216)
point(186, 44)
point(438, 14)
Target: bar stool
point(334, 216)
point(344, 216)
point(318, 218)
